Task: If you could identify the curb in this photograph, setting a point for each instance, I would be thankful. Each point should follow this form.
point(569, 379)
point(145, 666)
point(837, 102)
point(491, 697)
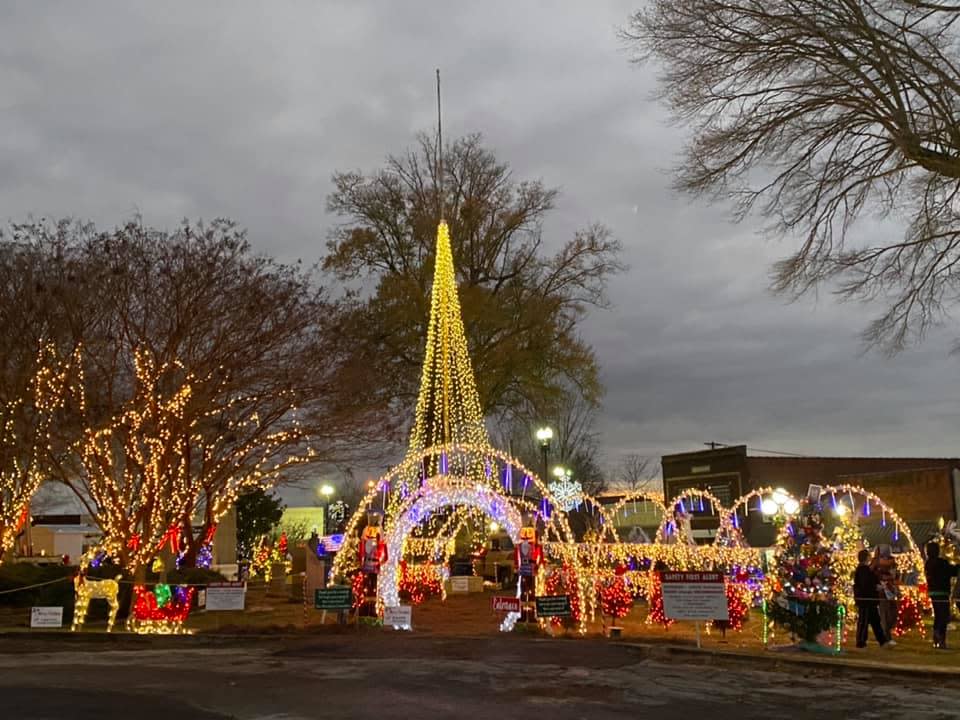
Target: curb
point(785, 662)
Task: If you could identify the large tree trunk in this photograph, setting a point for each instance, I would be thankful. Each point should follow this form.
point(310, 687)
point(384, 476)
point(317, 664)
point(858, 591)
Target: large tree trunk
point(191, 545)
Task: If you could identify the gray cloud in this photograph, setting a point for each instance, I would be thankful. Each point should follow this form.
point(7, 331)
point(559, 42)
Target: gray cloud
point(245, 109)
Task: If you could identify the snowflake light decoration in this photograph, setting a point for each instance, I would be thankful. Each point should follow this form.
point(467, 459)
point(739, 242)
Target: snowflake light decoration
point(568, 493)
point(337, 512)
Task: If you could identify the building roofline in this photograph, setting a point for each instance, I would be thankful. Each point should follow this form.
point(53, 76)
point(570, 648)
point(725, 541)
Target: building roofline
point(891, 472)
point(711, 452)
point(857, 457)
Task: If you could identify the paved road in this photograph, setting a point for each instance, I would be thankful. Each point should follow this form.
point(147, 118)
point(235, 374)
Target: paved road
point(393, 677)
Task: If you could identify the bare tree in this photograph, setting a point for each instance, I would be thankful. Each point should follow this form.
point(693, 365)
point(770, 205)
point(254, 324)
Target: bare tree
point(813, 113)
point(637, 472)
point(572, 417)
point(522, 307)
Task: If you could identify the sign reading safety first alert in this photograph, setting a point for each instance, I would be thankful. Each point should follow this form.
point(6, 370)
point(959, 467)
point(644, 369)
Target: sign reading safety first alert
point(694, 596)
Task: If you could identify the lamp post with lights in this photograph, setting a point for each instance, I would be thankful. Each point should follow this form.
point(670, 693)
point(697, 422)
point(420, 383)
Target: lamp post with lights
point(544, 436)
point(326, 491)
point(779, 506)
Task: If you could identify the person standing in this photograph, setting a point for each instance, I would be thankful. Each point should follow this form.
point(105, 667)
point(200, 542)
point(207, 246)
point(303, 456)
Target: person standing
point(885, 567)
point(939, 572)
point(866, 595)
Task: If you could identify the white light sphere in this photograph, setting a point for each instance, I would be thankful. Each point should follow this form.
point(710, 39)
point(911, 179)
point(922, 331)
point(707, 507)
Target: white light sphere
point(769, 507)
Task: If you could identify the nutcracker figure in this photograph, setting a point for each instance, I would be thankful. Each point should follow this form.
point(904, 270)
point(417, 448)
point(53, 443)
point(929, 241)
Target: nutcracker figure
point(527, 558)
point(373, 553)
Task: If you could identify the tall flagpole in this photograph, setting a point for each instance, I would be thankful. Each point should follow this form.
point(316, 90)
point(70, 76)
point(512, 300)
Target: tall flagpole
point(439, 149)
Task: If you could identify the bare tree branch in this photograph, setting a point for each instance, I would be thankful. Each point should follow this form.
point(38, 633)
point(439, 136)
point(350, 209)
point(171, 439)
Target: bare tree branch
point(812, 113)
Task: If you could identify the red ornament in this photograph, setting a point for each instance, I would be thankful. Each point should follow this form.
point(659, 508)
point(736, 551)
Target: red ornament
point(656, 614)
point(172, 536)
point(208, 536)
point(24, 516)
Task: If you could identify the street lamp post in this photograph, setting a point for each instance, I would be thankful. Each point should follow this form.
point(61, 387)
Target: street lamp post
point(544, 436)
point(326, 492)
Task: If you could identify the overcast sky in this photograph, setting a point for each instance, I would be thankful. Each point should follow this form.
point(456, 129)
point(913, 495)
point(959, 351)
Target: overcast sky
point(244, 109)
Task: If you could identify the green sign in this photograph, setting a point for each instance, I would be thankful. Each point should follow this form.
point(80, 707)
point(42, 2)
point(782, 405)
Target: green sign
point(335, 597)
point(553, 605)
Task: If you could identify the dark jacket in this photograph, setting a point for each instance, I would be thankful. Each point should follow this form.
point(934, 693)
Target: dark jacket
point(939, 572)
point(865, 584)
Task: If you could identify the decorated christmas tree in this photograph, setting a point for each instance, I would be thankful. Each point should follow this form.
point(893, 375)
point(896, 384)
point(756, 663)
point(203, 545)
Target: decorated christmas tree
point(802, 596)
point(846, 545)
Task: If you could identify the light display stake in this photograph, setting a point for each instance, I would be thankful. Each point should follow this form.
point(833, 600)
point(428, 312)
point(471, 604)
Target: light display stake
point(765, 633)
point(838, 630)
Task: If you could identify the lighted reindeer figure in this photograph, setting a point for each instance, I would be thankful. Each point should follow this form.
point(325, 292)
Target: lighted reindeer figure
point(87, 590)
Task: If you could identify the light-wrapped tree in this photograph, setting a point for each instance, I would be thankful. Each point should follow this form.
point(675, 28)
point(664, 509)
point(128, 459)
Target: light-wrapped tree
point(271, 382)
point(25, 437)
point(135, 480)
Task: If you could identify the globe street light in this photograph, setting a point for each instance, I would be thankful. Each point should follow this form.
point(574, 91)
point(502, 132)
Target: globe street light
point(779, 505)
point(544, 436)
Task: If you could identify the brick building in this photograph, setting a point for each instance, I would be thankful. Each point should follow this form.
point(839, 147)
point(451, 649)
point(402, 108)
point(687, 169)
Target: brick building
point(921, 490)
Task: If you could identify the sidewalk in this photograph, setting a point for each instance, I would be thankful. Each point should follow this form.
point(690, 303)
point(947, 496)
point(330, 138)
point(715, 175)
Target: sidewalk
point(789, 658)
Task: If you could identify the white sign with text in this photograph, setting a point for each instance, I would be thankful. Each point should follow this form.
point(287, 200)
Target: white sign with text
point(694, 596)
point(398, 617)
point(226, 596)
point(46, 617)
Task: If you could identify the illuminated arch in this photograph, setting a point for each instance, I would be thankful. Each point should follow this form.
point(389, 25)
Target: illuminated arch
point(694, 494)
point(607, 524)
point(647, 497)
point(494, 463)
point(730, 518)
point(844, 561)
point(436, 494)
point(873, 502)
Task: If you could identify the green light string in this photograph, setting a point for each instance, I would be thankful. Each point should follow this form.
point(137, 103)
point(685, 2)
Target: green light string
point(838, 635)
point(766, 622)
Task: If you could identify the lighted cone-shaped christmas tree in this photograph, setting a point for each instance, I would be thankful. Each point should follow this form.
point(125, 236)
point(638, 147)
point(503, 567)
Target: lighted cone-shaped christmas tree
point(448, 407)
